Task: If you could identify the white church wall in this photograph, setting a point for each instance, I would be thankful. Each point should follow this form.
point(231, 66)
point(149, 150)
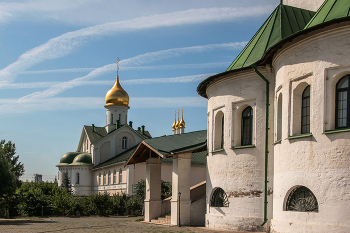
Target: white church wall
point(312, 5)
point(238, 171)
point(319, 162)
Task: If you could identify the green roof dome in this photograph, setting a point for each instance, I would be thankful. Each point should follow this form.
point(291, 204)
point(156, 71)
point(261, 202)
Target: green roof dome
point(330, 10)
point(68, 158)
point(82, 159)
point(282, 23)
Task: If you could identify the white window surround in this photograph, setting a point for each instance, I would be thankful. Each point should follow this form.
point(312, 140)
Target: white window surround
point(332, 76)
point(220, 110)
point(298, 86)
point(237, 109)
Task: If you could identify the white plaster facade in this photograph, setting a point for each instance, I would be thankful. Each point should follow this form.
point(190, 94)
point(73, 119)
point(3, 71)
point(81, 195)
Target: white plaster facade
point(318, 160)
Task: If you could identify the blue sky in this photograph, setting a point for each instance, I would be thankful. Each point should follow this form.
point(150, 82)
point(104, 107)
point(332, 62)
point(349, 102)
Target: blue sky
point(58, 61)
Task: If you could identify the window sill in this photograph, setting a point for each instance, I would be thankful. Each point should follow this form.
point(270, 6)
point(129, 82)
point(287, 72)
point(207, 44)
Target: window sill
point(305, 135)
point(336, 131)
point(242, 147)
point(278, 141)
point(214, 151)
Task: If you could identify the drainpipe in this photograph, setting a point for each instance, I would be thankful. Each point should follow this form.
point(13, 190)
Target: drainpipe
point(266, 138)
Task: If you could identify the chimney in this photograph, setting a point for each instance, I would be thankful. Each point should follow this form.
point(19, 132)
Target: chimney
point(138, 128)
point(130, 124)
point(143, 129)
point(93, 128)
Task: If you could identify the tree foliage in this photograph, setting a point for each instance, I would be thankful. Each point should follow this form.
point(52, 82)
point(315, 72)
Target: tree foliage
point(10, 169)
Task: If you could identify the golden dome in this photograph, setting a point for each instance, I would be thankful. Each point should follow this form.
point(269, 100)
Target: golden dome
point(117, 95)
point(182, 122)
point(174, 125)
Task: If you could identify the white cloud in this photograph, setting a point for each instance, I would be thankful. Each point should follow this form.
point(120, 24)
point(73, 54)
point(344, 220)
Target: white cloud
point(127, 68)
point(182, 79)
point(10, 106)
point(143, 58)
point(66, 43)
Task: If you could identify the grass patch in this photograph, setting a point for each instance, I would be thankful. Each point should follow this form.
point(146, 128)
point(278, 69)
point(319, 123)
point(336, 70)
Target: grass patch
point(139, 220)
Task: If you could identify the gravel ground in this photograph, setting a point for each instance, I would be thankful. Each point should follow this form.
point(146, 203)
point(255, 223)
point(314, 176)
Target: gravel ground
point(89, 224)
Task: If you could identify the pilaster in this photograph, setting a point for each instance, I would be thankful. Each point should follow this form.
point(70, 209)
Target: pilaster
point(181, 183)
point(153, 202)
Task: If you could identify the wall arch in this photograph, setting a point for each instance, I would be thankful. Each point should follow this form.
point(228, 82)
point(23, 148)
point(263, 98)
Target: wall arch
point(218, 198)
point(300, 199)
point(297, 106)
point(219, 126)
point(105, 151)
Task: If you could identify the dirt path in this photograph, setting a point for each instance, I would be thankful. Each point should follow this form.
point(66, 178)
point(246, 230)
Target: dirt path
point(89, 224)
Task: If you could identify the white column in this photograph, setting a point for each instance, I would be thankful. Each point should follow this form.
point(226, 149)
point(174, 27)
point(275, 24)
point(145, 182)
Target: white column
point(181, 183)
point(153, 202)
point(130, 179)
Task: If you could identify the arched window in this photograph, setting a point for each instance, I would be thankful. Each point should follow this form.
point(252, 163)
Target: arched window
point(247, 126)
point(77, 178)
point(120, 176)
point(301, 199)
point(342, 106)
point(99, 179)
point(219, 198)
point(109, 177)
point(124, 142)
point(305, 111)
point(279, 117)
point(219, 131)
point(114, 177)
point(104, 178)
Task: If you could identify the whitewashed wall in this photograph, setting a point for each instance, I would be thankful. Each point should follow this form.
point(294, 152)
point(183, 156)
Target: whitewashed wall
point(320, 162)
point(239, 172)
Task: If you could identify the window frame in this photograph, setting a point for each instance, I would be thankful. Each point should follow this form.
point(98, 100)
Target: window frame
point(307, 124)
point(124, 142)
point(337, 91)
point(243, 127)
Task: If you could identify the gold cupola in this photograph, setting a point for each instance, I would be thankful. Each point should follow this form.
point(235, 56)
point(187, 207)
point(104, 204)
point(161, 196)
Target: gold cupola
point(117, 95)
point(177, 126)
point(174, 125)
point(182, 122)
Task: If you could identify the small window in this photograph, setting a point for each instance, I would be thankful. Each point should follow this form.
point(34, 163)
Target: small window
point(124, 142)
point(247, 126)
point(219, 198)
point(111, 118)
point(279, 117)
point(301, 199)
point(120, 176)
point(219, 131)
point(99, 179)
point(104, 178)
point(114, 177)
point(77, 178)
point(109, 177)
point(305, 111)
point(342, 108)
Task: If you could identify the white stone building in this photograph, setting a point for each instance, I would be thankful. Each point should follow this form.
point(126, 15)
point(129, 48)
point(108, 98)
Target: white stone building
point(279, 126)
point(99, 164)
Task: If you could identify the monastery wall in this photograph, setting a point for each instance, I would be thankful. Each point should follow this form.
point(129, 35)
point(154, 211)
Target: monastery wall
point(239, 171)
point(321, 161)
point(312, 5)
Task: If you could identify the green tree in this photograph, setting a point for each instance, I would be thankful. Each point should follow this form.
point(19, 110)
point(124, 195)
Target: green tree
point(66, 184)
point(10, 169)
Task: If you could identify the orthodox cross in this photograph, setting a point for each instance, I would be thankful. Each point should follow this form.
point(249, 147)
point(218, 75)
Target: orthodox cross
point(118, 65)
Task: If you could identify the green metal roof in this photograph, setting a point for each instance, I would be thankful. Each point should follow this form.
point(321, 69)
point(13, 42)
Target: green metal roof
point(330, 10)
point(96, 133)
point(179, 142)
point(68, 158)
point(82, 159)
point(197, 159)
point(283, 22)
point(166, 146)
point(122, 157)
